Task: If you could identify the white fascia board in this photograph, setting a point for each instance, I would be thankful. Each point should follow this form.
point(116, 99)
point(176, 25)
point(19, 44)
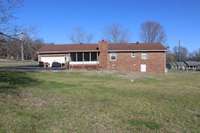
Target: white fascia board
point(137, 50)
point(67, 51)
point(83, 62)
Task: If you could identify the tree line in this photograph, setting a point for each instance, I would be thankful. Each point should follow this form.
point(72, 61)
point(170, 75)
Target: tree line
point(11, 48)
point(150, 32)
point(13, 37)
point(180, 53)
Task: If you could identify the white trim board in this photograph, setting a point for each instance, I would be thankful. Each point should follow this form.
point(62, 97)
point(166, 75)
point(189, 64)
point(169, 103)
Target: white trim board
point(84, 62)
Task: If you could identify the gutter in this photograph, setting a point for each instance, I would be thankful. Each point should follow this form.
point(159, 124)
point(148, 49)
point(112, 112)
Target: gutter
point(54, 52)
point(67, 51)
point(137, 50)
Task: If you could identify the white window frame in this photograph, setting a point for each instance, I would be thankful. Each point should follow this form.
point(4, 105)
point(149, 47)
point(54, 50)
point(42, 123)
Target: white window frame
point(133, 54)
point(113, 54)
point(144, 56)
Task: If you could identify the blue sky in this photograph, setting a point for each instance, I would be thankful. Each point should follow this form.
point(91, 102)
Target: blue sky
point(55, 19)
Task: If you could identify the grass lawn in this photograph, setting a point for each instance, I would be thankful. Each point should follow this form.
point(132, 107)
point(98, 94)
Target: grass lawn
point(14, 63)
point(95, 102)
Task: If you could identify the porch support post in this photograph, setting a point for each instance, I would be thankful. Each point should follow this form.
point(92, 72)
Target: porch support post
point(76, 57)
point(90, 56)
point(97, 57)
point(83, 56)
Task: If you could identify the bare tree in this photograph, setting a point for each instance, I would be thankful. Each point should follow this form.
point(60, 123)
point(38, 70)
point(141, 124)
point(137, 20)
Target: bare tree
point(170, 57)
point(24, 49)
point(11, 46)
point(152, 32)
point(7, 8)
point(30, 42)
point(79, 36)
point(181, 53)
point(195, 55)
point(116, 33)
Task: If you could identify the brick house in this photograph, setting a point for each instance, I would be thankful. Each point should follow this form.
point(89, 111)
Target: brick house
point(127, 57)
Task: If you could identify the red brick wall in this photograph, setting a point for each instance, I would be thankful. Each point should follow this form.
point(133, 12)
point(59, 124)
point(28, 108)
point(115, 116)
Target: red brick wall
point(85, 66)
point(155, 62)
point(103, 60)
point(125, 63)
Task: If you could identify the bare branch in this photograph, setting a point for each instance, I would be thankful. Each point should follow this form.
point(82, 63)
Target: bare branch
point(181, 53)
point(152, 32)
point(116, 33)
point(12, 48)
point(7, 8)
point(79, 36)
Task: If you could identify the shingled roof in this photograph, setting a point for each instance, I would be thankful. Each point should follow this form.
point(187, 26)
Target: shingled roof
point(137, 47)
point(95, 47)
point(192, 63)
point(68, 48)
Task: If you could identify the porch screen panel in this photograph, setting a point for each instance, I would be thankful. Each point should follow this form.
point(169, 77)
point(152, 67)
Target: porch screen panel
point(86, 56)
point(73, 56)
point(80, 56)
point(93, 56)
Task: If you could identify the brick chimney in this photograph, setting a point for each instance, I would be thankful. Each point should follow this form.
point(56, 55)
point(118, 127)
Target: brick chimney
point(103, 56)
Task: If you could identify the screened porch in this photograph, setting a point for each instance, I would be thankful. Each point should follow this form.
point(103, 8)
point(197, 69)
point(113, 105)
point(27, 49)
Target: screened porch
point(84, 58)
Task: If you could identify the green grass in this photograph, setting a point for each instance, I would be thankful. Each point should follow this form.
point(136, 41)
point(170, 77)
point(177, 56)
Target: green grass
point(14, 63)
point(95, 102)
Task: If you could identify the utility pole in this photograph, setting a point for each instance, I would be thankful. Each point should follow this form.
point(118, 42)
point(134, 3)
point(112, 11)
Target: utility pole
point(22, 50)
point(22, 45)
point(21, 39)
point(179, 50)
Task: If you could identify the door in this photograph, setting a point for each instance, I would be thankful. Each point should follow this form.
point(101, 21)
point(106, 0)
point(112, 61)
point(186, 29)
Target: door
point(143, 68)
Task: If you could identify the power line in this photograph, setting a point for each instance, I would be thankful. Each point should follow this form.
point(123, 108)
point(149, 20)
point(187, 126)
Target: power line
point(8, 36)
point(179, 50)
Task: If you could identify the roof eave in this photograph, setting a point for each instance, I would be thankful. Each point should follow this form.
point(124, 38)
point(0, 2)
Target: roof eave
point(44, 52)
point(137, 50)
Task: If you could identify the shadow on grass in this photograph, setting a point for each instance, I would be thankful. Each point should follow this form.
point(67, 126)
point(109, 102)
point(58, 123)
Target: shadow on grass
point(22, 68)
point(149, 124)
point(10, 82)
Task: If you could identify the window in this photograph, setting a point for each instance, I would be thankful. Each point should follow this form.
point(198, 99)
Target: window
point(83, 56)
point(113, 56)
point(87, 56)
point(144, 56)
point(93, 56)
point(73, 56)
point(133, 54)
point(80, 56)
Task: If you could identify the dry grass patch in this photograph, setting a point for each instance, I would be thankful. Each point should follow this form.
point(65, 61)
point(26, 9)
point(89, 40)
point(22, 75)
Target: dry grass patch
point(99, 102)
